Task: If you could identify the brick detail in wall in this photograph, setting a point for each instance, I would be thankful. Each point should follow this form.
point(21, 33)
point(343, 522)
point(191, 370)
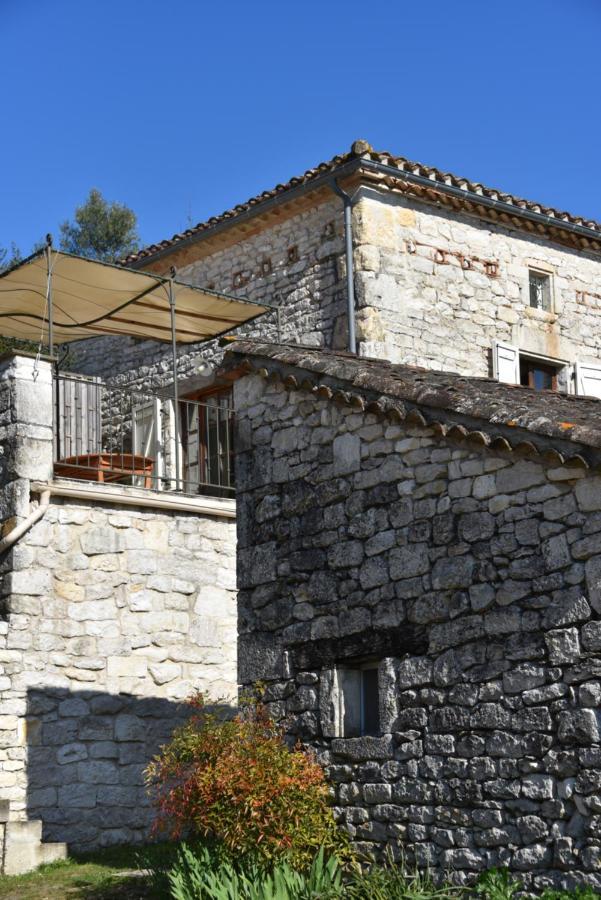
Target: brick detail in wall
point(293, 265)
point(436, 288)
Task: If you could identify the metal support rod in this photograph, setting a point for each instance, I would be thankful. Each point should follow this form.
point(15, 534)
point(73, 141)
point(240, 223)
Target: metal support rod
point(49, 291)
point(175, 393)
point(56, 385)
point(350, 274)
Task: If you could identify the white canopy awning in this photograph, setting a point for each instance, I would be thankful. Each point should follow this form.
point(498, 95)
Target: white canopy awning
point(91, 298)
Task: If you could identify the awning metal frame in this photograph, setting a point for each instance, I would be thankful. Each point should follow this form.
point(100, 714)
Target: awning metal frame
point(169, 284)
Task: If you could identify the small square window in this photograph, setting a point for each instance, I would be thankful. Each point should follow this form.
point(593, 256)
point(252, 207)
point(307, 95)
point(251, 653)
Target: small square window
point(540, 290)
point(359, 700)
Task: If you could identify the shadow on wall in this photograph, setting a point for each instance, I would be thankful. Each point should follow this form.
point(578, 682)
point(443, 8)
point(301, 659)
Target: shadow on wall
point(87, 751)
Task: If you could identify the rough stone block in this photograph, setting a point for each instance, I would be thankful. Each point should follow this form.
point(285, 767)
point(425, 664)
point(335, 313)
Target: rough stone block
point(566, 610)
point(453, 572)
point(520, 476)
point(591, 636)
point(129, 728)
point(70, 753)
point(556, 553)
point(163, 673)
point(537, 787)
point(563, 645)
point(102, 539)
point(78, 796)
point(413, 671)
point(578, 727)
point(523, 677)
point(588, 494)
point(32, 582)
point(347, 453)
point(126, 666)
point(409, 561)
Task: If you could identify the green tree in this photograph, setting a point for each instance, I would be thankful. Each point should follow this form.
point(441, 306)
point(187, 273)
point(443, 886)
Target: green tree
point(100, 230)
point(9, 258)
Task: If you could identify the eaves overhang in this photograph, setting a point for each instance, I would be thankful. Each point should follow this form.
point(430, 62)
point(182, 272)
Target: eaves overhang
point(552, 428)
point(482, 204)
point(387, 172)
point(260, 208)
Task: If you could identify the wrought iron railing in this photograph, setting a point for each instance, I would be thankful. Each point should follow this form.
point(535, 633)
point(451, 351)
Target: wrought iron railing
point(112, 434)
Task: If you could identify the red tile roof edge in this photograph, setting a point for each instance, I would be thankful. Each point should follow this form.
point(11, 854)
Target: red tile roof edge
point(362, 150)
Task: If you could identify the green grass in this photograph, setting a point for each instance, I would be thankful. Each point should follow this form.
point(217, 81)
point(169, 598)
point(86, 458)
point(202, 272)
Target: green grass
point(106, 875)
point(121, 873)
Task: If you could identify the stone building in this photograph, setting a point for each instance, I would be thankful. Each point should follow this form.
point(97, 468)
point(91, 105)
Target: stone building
point(419, 589)
point(120, 600)
point(446, 273)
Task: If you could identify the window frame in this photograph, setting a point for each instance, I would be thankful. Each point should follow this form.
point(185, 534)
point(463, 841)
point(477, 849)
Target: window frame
point(502, 365)
point(543, 270)
point(370, 667)
point(205, 461)
point(350, 678)
point(530, 363)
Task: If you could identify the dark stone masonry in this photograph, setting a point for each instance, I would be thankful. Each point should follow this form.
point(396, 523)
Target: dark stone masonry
point(420, 592)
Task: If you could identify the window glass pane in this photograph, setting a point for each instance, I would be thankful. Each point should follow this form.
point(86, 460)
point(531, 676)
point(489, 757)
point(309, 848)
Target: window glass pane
point(542, 379)
point(370, 702)
point(540, 291)
point(538, 375)
point(349, 681)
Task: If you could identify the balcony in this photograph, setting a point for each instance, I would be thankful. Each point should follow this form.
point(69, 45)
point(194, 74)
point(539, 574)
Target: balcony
point(171, 444)
point(114, 435)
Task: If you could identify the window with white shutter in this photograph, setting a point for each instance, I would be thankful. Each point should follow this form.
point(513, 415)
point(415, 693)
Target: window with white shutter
point(506, 362)
point(588, 379)
point(147, 437)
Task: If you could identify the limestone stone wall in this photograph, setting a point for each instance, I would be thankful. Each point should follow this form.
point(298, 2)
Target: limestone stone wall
point(436, 287)
point(111, 615)
point(295, 265)
point(433, 288)
point(472, 579)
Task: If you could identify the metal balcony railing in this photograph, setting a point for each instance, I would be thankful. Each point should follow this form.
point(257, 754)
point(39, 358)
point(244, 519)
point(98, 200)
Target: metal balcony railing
point(117, 435)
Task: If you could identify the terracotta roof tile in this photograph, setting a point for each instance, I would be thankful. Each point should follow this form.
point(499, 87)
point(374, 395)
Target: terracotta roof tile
point(361, 150)
point(482, 410)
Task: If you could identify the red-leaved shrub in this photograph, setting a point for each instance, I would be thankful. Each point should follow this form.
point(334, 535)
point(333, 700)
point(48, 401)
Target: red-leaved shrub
point(235, 781)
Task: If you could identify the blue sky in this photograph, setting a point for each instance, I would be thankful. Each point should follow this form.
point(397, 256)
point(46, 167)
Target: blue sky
point(182, 109)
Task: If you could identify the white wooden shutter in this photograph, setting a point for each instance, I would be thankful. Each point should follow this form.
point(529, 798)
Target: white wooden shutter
point(506, 362)
point(174, 447)
point(79, 409)
point(147, 438)
point(191, 427)
point(588, 379)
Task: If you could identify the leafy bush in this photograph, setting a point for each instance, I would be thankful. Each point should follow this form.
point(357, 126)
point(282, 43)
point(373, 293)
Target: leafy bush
point(201, 875)
point(497, 884)
point(234, 781)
